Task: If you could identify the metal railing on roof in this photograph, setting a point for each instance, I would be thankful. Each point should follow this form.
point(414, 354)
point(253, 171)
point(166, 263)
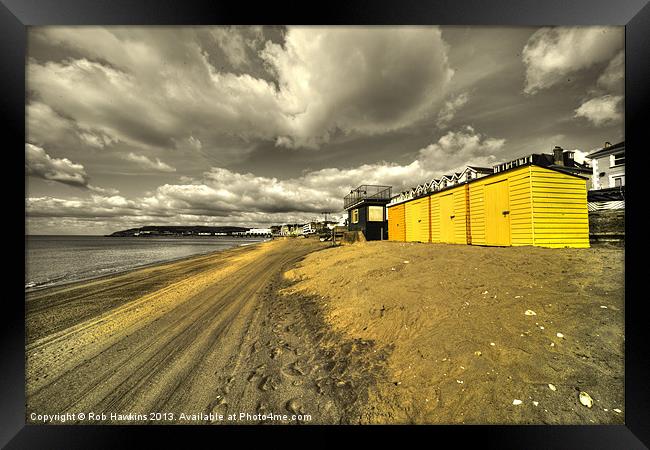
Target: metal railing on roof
point(367, 192)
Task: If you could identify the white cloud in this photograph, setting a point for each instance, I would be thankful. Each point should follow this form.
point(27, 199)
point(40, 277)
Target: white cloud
point(95, 206)
point(40, 164)
point(602, 110)
point(147, 163)
point(450, 108)
point(553, 53)
point(579, 156)
point(194, 142)
point(147, 99)
point(223, 195)
point(103, 191)
point(455, 150)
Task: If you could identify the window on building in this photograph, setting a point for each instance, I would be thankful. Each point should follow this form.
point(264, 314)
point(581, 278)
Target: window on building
point(619, 181)
point(355, 216)
point(375, 213)
point(617, 160)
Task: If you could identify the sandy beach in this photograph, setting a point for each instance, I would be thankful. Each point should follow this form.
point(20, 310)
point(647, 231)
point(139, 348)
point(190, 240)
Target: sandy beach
point(378, 332)
point(479, 334)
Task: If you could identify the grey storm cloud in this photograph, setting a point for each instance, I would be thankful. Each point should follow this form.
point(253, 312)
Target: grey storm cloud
point(157, 85)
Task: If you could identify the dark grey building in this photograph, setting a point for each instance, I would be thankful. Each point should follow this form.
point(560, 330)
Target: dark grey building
point(366, 208)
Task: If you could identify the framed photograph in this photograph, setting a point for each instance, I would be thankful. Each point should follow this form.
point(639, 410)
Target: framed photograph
point(411, 214)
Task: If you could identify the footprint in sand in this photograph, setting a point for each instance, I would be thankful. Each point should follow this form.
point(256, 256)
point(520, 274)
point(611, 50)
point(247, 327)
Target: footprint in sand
point(295, 369)
point(320, 385)
point(255, 347)
point(269, 382)
point(259, 371)
point(294, 406)
point(347, 348)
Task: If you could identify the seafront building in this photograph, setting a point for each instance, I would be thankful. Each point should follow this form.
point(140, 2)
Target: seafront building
point(608, 166)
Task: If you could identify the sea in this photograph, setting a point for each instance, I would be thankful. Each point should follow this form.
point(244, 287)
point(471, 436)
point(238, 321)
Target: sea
point(55, 260)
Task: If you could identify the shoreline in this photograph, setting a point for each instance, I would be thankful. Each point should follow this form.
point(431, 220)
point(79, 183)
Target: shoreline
point(123, 271)
point(54, 308)
point(166, 340)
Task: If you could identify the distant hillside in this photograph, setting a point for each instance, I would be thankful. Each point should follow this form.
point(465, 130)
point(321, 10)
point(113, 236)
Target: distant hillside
point(176, 231)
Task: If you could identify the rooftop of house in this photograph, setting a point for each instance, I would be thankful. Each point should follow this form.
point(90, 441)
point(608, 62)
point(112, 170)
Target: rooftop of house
point(367, 192)
point(607, 149)
point(482, 169)
point(568, 163)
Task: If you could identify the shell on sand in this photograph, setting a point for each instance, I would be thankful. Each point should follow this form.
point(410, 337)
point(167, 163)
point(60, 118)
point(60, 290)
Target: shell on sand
point(586, 399)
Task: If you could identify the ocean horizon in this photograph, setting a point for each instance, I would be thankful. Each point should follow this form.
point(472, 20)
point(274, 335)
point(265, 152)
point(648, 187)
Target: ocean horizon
point(52, 260)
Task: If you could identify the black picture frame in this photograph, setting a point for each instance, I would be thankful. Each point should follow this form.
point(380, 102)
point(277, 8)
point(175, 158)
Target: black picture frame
point(16, 15)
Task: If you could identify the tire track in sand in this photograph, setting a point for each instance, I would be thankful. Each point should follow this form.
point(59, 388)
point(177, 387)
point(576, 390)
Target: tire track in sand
point(166, 360)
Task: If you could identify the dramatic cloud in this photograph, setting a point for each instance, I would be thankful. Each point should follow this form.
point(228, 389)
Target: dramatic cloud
point(553, 53)
point(237, 43)
point(147, 163)
point(601, 110)
point(357, 80)
point(154, 89)
point(259, 125)
point(150, 89)
point(40, 164)
point(223, 192)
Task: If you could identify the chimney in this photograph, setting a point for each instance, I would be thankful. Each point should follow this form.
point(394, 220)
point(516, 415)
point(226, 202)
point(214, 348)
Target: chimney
point(558, 159)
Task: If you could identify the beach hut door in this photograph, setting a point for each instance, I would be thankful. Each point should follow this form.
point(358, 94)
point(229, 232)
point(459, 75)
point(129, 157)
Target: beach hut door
point(497, 208)
point(447, 218)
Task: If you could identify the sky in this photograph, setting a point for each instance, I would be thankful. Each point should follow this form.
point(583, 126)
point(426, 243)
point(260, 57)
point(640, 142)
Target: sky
point(258, 126)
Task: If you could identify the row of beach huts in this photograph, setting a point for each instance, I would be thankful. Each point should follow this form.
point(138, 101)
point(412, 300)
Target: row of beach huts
point(538, 200)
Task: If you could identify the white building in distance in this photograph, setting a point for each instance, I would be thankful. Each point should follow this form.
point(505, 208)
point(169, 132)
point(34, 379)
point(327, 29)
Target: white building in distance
point(258, 232)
